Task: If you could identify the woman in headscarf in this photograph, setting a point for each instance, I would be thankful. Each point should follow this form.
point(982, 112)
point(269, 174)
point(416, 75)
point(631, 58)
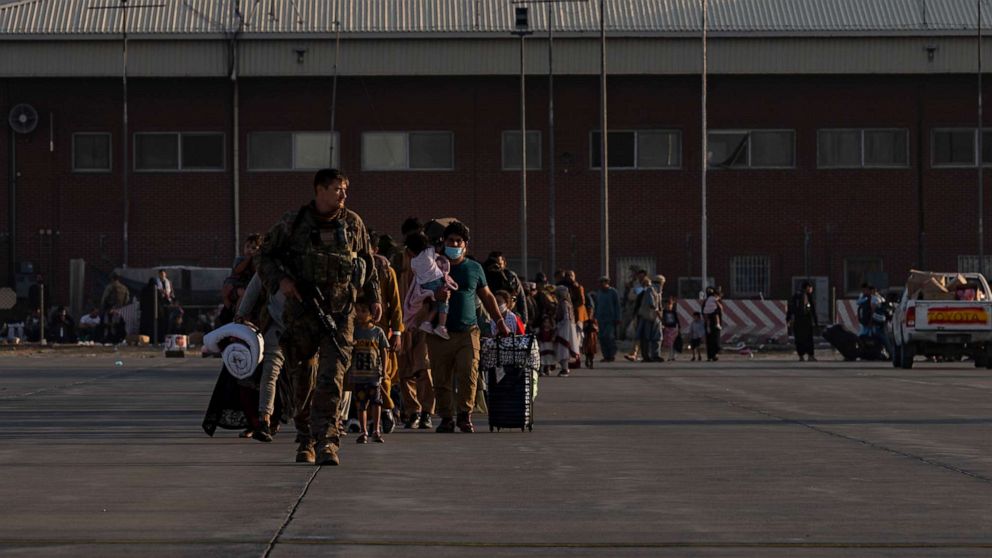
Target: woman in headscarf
point(567, 340)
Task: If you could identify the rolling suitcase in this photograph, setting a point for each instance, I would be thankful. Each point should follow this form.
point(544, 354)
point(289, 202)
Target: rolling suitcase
point(870, 348)
point(510, 365)
point(843, 340)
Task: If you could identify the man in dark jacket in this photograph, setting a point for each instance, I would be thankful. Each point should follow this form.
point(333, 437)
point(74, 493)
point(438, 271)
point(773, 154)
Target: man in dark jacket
point(501, 278)
point(801, 317)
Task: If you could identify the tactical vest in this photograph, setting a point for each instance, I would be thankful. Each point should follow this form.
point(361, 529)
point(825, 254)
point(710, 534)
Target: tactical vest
point(323, 258)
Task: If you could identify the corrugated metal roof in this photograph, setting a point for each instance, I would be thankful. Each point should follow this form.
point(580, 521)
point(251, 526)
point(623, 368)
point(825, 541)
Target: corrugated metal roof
point(485, 16)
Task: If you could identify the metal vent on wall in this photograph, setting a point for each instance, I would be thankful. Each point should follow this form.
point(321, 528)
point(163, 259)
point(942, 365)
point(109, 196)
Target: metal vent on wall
point(23, 118)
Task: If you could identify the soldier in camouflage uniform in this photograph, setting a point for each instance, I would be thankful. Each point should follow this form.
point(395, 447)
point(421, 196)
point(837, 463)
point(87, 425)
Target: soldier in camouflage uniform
point(324, 246)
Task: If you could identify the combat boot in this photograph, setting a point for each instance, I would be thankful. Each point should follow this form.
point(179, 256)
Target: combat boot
point(327, 453)
point(465, 422)
point(425, 422)
point(447, 425)
point(264, 432)
point(304, 452)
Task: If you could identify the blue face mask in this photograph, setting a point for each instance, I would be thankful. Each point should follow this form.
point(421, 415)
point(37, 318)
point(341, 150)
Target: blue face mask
point(453, 253)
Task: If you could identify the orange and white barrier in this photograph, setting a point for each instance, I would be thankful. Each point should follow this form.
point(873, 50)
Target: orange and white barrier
point(847, 315)
point(759, 319)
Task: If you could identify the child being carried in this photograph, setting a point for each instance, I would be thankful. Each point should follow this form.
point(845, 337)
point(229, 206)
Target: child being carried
point(432, 285)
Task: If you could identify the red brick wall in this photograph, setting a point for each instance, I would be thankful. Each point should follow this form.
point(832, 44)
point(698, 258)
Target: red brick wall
point(188, 217)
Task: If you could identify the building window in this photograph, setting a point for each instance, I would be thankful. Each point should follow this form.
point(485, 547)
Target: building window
point(969, 264)
point(292, 151)
point(956, 147)
point(639, 149)
point(387, 151)
point(511, 150)
point(862, 148)
point(173, 151)
point(754, 149)
point(91, 152)
point(860, 270)
point(750, 276)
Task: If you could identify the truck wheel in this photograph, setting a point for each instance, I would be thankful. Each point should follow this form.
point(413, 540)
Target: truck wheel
point(897, 356)
point(906, 354)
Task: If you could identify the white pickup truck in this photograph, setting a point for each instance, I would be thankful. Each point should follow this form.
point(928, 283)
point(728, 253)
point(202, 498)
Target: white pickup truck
point(952, 324)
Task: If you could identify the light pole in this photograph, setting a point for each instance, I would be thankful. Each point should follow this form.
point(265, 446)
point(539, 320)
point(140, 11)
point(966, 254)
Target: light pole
point(604, 181)
point(705, 161)
point(522, 30)
point(124, 7)
point(980, 154)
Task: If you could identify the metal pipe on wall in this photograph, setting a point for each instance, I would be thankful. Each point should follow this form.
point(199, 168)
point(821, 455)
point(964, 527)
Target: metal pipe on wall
point(553, 264)
point(704, 155)
point(604, 165)
point(124, 139)
point(236, 130)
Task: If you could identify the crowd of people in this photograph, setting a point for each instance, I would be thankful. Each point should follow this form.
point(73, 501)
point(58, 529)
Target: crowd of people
point(364, 331)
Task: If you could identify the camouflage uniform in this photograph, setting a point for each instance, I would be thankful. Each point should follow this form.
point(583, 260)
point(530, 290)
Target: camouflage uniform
point(333, 255)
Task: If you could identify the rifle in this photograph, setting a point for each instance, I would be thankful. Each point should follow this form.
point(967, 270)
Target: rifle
point(314, 300)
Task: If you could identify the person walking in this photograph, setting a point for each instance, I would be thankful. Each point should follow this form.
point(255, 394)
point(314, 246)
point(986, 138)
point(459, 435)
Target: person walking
point(671, 327)
point(321, 248)
point(713, 317)
point(648, 314)
point(392, 324)
point(457, 359)
point(416, 382)
point(801, 318)
point(567, 336)
point(608, 316)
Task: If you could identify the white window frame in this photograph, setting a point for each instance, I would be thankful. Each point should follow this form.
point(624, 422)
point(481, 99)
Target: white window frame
point(179, 141)
point(750, 150)
point(636, 132)
point(540, 151)
point(110, 153)
point(933, 151)
point(407, 134)
point(335, 141)
point(862, 164)
point(733, 276)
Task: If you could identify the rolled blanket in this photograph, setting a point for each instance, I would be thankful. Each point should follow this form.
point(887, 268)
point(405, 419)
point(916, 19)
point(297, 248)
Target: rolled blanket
point(249, 355)
point(239, 360)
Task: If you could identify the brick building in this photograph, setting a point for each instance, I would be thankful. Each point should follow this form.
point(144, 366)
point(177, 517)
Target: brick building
point(842, 133)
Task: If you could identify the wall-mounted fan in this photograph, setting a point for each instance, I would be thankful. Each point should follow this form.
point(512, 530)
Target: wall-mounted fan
point(23, 118)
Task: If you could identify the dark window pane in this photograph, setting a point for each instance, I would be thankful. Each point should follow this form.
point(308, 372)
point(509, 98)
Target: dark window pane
point(270, 151)
point(511, 150)
point(203, 151)
point(838, 148)
point(91, 152)
point(886, 148)
point(156, 152)
point(620, 150)
point(954, 147)
point(773, 149)
point(728, 150)
point(431, 151)
point(659, 150)
point(858, 271)
point(987, 147)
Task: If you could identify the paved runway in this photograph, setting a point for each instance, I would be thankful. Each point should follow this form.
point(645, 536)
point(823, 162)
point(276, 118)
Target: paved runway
point(764, 457)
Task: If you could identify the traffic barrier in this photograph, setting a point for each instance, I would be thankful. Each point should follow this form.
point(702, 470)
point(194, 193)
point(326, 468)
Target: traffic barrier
point(847, 315)
point(760, 320)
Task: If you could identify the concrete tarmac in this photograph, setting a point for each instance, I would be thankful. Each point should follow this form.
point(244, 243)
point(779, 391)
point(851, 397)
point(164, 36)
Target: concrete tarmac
point(765, 457)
